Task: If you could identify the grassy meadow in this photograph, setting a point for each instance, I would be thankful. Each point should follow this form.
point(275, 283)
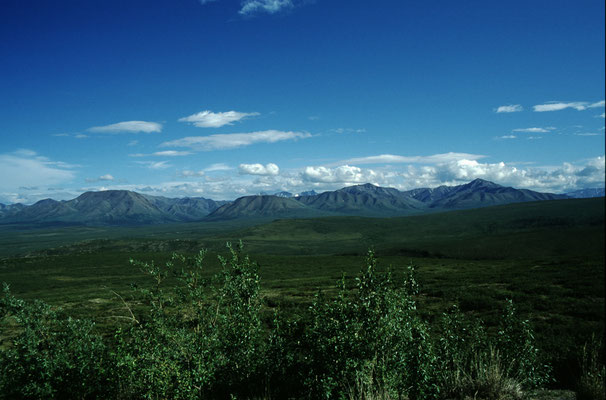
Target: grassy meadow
point(548, 257)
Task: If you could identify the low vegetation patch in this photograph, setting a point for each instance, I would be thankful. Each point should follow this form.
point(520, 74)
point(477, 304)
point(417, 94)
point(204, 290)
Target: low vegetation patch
point(206, 338)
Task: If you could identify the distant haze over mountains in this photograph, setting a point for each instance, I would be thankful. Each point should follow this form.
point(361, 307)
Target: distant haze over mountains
point(120, 207)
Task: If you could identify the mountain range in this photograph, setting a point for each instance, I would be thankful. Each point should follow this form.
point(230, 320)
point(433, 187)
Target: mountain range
point(121, 207)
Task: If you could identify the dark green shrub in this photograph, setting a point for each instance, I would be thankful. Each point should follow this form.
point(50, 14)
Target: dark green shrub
point(370, 337)
point(520, 354)
point(50, 355)
point(473, 364)
point(205, 340)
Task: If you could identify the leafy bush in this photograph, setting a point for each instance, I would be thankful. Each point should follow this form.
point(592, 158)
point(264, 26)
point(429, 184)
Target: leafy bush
point(204, 338)
point(368, 337)
point(520, 355)
point(471, 364)
point(51, 355)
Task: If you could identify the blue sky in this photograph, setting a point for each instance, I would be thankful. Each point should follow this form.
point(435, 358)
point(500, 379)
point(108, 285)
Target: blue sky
point(225, 98)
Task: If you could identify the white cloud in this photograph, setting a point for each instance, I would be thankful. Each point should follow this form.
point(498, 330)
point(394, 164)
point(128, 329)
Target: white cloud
point(268, 6)
point(554, 179)
point(165, 153)
point(218, 167)
point(203, 172)
point(188, 173)
point(156, 165)
point(206, 1)
point(270, 169)
point(234, 140)
point(106, 177)
point(25, 168)
point(505, 137)
point(557, 106)
point(602, 115)
point(209, 119)
point(566, 177)
point(535, 130)
point(128, 126)
point(509, 108)
point(344, 174)
point(588, 134)
point(396, 159)
point(171, 153)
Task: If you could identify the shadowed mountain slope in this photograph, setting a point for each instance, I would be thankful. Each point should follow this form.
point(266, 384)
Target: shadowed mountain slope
point(366, 200)
point(113, 207)
point(10, 209)
point(481, 193)
point(264, 206)
point(121, 207)
point(587, 193)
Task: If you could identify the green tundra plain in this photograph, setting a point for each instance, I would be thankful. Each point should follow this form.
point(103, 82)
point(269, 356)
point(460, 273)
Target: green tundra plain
point(547, 257)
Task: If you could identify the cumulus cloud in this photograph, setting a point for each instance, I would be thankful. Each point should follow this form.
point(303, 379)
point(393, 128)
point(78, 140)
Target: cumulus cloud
point(209, 119)
point(267, 6)
point(558, 179)
point(555, 179)
point(509, 108)
point(270, 169)
point(129, 127)
point(234, 140)
point(557, 106)
point(344, 174)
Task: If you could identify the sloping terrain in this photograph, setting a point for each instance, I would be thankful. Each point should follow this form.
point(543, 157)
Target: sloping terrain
point(121, 207)
point(481, 193)
point(264, 206)
point(364, 200)
point(112, 207)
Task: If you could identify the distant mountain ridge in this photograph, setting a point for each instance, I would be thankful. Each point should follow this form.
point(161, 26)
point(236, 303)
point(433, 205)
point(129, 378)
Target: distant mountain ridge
point(375, 201)
point(121, 207)
point(112, 207)
point(586, 193)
